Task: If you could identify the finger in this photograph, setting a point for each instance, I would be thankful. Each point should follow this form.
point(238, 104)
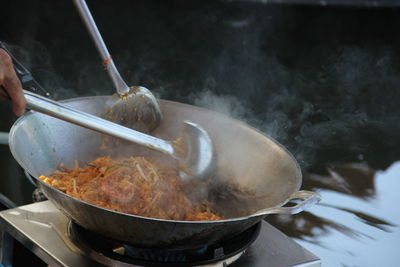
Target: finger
point(5, 59)
point(14, 89)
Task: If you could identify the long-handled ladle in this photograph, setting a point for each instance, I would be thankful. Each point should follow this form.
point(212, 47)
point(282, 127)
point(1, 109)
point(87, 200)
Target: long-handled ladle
point(134, 107)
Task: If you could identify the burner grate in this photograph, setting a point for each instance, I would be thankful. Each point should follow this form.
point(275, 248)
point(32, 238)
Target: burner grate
point(165, 255)
point(88, 240)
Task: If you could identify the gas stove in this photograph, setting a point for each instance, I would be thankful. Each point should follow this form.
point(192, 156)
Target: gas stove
point(44, 230)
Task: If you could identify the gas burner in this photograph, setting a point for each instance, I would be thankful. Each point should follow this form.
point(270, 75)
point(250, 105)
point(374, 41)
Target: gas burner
point(46, 232)
point(224, 252)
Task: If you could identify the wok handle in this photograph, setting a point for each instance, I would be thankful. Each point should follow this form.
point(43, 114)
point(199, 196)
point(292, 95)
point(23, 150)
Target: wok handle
point(309, 198)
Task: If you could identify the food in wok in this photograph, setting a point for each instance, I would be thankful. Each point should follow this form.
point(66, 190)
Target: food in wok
point(132, 185)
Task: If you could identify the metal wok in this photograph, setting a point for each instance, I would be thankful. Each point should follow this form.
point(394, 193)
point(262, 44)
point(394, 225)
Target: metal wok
point(245, 157)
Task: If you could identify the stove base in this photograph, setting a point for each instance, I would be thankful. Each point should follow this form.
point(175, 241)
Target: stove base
point(43, 229)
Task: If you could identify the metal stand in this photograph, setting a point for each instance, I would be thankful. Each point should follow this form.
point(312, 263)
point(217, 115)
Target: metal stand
point(42, 228)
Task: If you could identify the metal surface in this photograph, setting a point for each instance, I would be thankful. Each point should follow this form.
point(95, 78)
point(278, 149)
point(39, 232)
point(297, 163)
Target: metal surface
point(43, 229)
point(245, 157)
point(134, 107)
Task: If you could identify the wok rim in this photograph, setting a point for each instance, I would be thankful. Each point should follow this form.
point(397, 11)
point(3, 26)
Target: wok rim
point(236, 219)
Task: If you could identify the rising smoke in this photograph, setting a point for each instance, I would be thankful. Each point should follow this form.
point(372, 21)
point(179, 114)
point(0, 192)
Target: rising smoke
point(309, 115)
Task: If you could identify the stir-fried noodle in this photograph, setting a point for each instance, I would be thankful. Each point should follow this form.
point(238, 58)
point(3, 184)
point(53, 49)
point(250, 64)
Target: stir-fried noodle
point(131, 185)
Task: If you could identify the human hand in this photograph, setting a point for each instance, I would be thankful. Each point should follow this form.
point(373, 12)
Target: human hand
point(10, 86)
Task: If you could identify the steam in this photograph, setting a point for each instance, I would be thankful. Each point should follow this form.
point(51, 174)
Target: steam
point(324, 110)
point(225, 104)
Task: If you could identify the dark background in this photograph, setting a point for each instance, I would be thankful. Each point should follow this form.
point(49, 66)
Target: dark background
point(324, 81)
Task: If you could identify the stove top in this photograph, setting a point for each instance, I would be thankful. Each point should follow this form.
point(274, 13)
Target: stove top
point(44, 230)
point(165, 256)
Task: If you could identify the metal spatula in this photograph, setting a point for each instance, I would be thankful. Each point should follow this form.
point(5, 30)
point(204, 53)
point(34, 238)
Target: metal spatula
point(134, 107)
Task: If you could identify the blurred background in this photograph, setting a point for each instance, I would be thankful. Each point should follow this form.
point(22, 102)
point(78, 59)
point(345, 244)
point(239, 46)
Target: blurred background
point(322, 78)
